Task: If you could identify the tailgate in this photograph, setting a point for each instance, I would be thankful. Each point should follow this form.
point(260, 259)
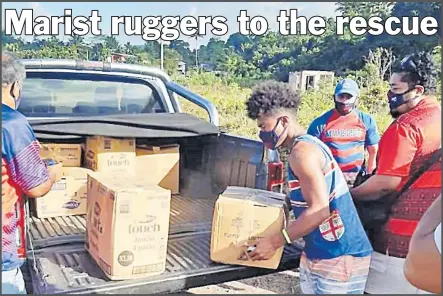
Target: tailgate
point(70, 269)
point(187, 215)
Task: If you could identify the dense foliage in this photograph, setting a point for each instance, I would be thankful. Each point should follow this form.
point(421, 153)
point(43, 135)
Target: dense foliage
point(255, 57)
point(242, 61)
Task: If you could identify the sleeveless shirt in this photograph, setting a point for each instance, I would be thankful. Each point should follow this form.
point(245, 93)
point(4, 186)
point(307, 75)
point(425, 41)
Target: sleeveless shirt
point(342, 233)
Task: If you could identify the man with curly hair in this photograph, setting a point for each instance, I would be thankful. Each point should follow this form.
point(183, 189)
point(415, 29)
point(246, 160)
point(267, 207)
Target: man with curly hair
point(406, 145)
point(337, 252)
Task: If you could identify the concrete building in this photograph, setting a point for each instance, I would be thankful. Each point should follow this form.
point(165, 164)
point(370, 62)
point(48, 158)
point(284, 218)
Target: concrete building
point(304, 80)
point(182, 67)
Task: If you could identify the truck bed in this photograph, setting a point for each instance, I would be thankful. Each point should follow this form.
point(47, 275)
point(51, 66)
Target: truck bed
point(187, 215)
point(69, 269)
point(62, 265)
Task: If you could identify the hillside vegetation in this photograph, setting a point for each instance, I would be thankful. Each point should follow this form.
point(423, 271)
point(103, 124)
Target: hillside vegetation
point(243, 61)
point(229, 98)
point(230, 102)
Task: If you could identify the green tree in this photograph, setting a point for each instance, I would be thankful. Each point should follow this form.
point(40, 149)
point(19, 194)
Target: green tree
point(128, 48)
point(182, 47)
point(364, 9)
point(171, 60)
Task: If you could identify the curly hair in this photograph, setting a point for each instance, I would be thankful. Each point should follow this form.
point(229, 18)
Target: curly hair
point(419, 69)
point(271, 96)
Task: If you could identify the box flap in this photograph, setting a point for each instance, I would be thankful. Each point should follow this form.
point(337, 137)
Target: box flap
point(76, 172)
point(125, 183)
point(163, 149)
point(263, 197)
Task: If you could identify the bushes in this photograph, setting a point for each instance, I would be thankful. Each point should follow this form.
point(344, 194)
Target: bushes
point(229, 95)
point(230, 98)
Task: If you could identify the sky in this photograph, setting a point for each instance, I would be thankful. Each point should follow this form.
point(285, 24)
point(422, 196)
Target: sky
point(230, 10)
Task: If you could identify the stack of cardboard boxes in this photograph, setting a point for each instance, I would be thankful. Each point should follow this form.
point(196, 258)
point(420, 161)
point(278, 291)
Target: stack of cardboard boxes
point(125, 192)
point(127, 206)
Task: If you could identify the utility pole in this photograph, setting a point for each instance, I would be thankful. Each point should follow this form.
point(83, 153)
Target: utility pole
point(161, 54)
point(196, 51)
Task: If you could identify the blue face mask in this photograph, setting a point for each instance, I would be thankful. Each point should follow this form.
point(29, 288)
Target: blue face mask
point(270, 138)
point(17, 102)
point(396, 100)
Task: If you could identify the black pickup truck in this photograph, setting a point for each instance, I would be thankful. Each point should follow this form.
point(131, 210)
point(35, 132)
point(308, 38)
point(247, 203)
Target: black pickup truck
point(67, 100)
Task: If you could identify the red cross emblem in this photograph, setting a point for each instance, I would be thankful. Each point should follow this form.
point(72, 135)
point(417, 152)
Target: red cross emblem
point(332, 229)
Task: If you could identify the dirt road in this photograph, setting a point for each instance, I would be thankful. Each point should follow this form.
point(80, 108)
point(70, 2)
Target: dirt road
point(286, 282)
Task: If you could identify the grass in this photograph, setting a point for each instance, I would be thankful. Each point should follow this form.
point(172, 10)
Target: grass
point(230, 98)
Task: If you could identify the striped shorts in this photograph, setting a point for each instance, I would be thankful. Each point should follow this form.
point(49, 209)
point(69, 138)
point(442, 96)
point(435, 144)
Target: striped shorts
point(342, 275)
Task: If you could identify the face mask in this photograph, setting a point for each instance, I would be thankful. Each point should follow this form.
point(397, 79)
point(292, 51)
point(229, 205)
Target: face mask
point(17, 102)
point(346, 107)
point(271, 139)
point(343, 108)
point(396, 100)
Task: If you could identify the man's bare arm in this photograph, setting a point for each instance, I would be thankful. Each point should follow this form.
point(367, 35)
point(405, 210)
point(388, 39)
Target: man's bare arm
point(423, 263)
point(375, 187)
point(307, 162)
point(372, 158)
point(42, 189)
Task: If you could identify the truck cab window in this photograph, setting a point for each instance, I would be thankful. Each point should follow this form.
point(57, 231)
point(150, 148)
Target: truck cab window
point(70, 97)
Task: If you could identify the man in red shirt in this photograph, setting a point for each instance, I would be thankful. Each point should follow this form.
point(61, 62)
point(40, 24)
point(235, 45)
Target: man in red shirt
point(406, 145)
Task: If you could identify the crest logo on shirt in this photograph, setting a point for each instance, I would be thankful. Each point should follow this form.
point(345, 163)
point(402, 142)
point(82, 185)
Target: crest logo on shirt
point(332, 229)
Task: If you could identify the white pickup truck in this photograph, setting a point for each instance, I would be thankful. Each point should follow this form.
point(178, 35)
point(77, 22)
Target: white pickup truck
point(66, 100)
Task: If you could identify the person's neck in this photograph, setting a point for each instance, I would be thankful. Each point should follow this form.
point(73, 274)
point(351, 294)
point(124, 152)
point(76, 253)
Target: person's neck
point(420, 100)
point(7, 100)
point(293, 132)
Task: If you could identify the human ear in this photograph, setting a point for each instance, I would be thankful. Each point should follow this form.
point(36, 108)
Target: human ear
point(284, 120)
point(419, 89)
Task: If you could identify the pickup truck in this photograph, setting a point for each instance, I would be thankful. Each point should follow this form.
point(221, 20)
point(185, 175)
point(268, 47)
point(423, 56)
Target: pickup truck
point(66, 100)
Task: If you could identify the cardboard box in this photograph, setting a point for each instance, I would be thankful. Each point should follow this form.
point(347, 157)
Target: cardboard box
point(242, 215)
point(69, 155)
point(160, 165)
point(110, 154)
point(127, 225)
point(67, 197)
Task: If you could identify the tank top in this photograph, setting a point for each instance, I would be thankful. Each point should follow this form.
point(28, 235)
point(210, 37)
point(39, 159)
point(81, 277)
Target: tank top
point(342, 233)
